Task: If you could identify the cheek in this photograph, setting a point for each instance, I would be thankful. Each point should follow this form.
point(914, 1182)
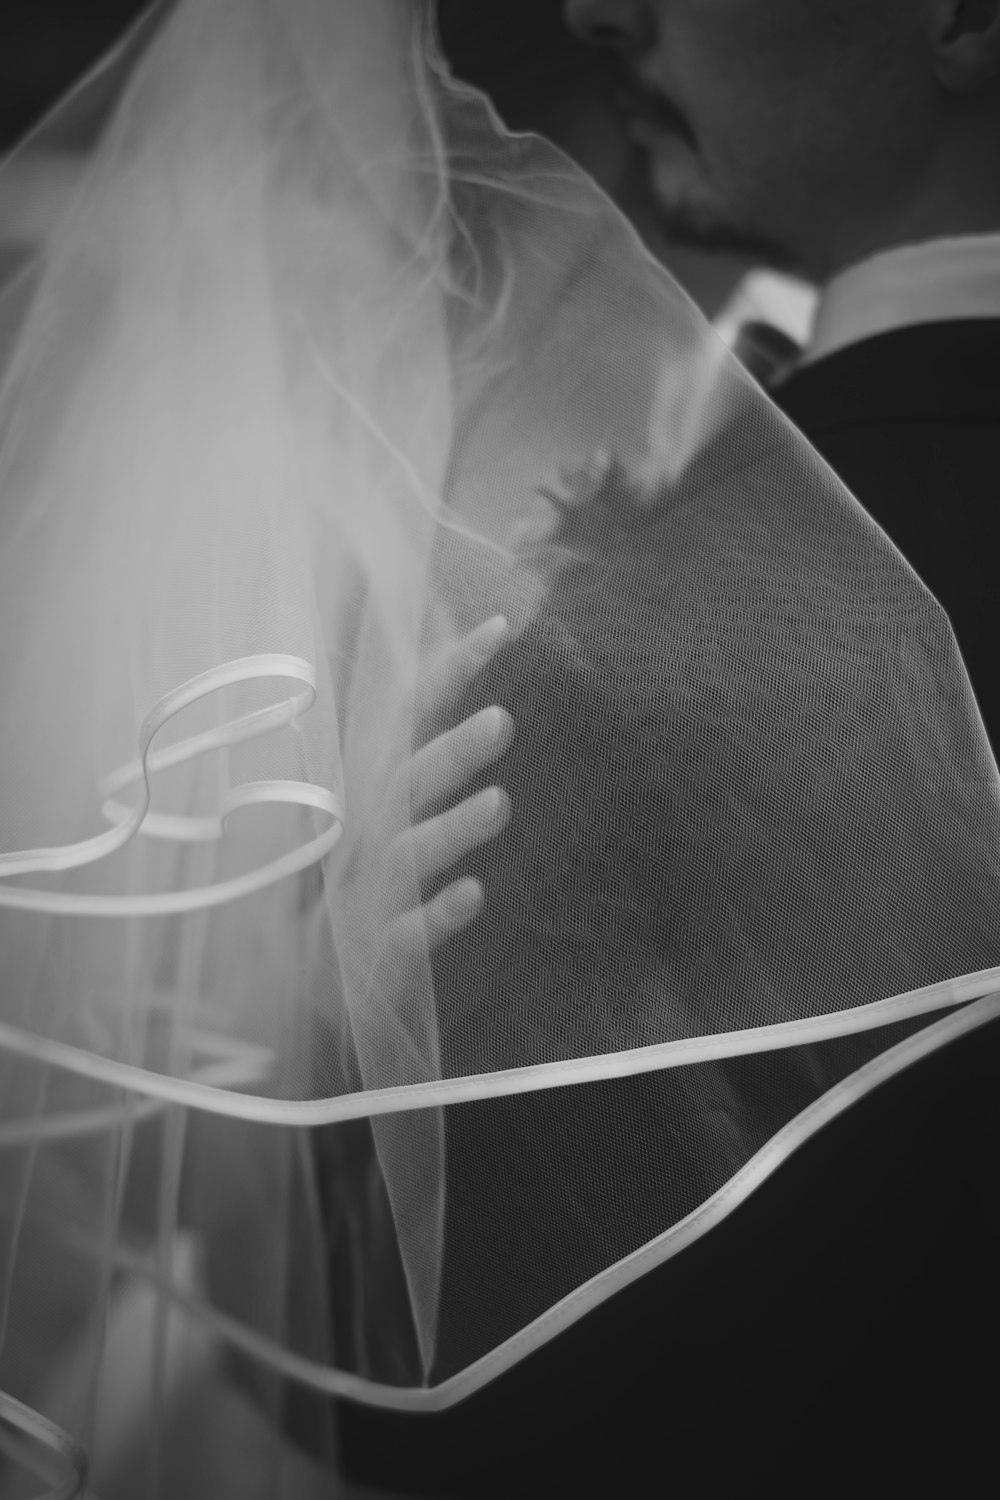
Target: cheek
point(731, 71)
point(749, 147)
point(800, 107)
point(805, 134)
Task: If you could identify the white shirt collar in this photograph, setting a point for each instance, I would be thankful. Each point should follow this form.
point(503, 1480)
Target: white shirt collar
point(933, 282)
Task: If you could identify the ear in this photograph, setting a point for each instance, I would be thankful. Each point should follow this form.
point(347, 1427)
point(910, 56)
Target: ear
point(966, 43)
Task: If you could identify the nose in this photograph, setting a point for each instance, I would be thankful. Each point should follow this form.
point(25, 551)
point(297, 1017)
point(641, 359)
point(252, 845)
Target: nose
point(622, 24)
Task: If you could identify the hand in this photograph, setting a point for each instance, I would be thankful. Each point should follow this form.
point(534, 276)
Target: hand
point(436, 841)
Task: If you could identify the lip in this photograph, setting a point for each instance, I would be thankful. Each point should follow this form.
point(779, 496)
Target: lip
point(651, 117)
point(656, 138)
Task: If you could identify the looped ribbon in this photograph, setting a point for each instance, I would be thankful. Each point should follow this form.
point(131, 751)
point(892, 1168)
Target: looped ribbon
point(40, 1447)
point(39, 1444)
point(126, 822)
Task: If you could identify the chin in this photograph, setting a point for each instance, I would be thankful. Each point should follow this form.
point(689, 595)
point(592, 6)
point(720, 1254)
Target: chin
point(702, 227)
point(690, 211)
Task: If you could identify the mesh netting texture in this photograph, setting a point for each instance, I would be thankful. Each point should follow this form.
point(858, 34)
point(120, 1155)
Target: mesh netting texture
point(320, 373)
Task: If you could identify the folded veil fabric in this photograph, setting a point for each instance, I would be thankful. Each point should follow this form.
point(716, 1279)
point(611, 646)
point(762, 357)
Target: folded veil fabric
point(320, 370)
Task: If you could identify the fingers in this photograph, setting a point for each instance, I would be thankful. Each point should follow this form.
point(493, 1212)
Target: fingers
point(441, 768)
point(456, 671)
point(427, 850)
point(574, 487)
point(587, 480)
point(436, 844)
point(436, 772)
point(420, 931)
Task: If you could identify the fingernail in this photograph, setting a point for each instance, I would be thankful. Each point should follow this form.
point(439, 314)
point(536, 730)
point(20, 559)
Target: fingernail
point(497, 724)
point(496, 803)
point(490, 633)
point(485, 639)
point(467, 896)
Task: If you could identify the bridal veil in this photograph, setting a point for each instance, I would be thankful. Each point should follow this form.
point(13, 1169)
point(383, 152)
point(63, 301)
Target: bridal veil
point(320, 371)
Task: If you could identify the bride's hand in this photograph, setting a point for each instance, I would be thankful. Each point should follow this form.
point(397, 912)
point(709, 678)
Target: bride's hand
point(438, 770)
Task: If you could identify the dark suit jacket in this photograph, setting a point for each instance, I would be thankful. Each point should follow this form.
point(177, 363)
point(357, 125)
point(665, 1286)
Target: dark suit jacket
point(910, 421)
point(839, 1332)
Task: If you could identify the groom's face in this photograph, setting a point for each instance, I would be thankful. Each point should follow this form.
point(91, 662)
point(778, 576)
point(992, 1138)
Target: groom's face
point(786, 127)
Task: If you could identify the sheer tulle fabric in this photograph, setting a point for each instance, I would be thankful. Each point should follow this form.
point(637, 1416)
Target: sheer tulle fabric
point(321, 370)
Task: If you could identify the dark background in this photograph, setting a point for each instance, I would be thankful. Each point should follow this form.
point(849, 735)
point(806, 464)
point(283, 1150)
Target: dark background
point(45, 45)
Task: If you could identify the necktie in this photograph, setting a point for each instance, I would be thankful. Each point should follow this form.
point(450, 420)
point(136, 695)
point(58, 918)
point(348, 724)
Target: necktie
point(767, 352)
